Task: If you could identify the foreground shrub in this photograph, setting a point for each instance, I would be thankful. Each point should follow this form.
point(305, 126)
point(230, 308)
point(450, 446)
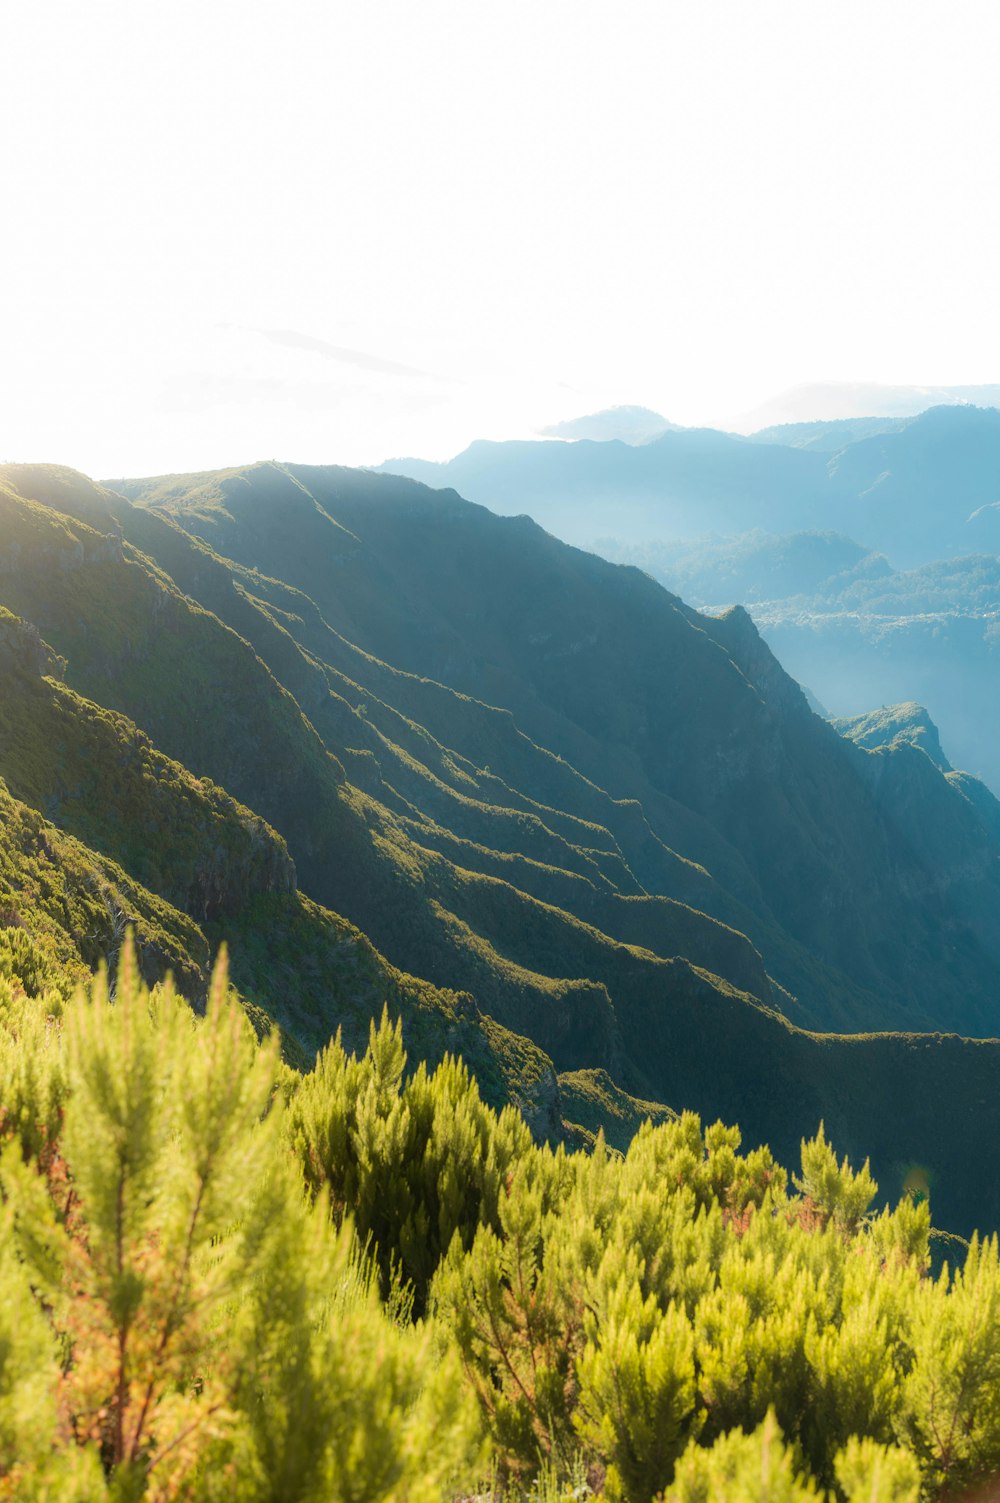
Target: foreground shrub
point(221, 1280)
point(182, 1321)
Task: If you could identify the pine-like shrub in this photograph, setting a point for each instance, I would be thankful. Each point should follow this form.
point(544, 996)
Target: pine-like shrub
point(223, 1280)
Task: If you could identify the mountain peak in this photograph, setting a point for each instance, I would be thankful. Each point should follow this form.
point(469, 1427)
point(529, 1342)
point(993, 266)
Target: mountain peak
point(632, 425)
point(892, 724)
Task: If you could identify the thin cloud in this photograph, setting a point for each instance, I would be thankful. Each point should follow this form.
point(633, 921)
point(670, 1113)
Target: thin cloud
point(295, 341)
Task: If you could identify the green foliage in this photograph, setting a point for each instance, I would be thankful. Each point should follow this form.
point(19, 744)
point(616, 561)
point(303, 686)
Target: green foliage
point(760, 1468)
point(177, 1320)
point(64, 907)
point(416, 1164)
point(223, 1281)
point(870, 1473)
point(591, 1100)
point(681, 1295)
point(953, 1389)
point(837, 1194)
point(741, 1468)
point(637, 1392)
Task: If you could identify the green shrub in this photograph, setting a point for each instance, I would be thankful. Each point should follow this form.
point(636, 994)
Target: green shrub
point(223, 1280)
point(188, 1325)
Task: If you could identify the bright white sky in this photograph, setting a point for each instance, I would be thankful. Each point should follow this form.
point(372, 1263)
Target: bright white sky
point(320, 230)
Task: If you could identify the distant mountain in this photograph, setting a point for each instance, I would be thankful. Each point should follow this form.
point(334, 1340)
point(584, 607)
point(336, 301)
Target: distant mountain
point(925, 489)
point(928, 490)
point(932, 632)
point(721, 571)
point(828, 437)
point(632, 425)
point(560, 819)
point(683, 484)
point(824, 401)
point(857, 631)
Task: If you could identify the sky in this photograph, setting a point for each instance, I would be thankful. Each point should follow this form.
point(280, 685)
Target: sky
point(340, 232)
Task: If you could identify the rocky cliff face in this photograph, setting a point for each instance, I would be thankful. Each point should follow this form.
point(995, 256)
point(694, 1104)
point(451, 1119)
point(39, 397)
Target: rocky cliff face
point(23, 651)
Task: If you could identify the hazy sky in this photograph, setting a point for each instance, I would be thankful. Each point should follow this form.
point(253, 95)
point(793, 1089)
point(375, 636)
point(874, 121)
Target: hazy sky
point(332, 231)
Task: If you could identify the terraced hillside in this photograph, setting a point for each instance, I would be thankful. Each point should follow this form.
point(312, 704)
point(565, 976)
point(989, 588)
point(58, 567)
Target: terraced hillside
point(525, 775)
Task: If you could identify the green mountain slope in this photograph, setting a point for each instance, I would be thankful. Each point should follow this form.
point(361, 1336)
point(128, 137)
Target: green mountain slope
point(614, 856)
point(186, 867)
point(642, 697)
point(64, 908)
point(853, 628)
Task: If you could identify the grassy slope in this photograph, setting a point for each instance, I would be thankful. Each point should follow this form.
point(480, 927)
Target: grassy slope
point(593, 1102)
point(639, 694)
point(291, 961)
point(409, 740)
point(189, 844)
point(75, 904)
point(660, 1025)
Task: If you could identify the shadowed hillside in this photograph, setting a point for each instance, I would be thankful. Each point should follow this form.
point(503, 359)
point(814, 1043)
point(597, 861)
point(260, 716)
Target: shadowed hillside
point(524, 774)
point(645, 699)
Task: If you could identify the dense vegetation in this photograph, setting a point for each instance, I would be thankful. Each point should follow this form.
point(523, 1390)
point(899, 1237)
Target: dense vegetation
point(223, 1279)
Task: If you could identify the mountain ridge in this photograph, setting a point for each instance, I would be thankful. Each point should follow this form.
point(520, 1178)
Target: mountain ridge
point(918, 490)
point(483, 859)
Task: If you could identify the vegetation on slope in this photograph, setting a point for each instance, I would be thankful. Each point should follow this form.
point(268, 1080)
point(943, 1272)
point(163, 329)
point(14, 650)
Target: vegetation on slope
point(221, 1279)
point(908, 723)
point(188, 867)
point(473, 857)
point(64, 909)
point(640, 696)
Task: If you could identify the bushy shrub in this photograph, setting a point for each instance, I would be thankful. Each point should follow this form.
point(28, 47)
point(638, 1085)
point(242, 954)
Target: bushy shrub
point(221, 1280)
point(177, 1319)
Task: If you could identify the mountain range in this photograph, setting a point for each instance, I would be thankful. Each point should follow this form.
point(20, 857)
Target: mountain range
point(395, 748)
point(865, 549)
point(845, 401)
point(925, 488)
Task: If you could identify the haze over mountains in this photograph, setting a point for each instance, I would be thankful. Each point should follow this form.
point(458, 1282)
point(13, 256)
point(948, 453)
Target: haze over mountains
point(858, 400)
point(864, 548)
point(391, 744)
point(924, 489)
